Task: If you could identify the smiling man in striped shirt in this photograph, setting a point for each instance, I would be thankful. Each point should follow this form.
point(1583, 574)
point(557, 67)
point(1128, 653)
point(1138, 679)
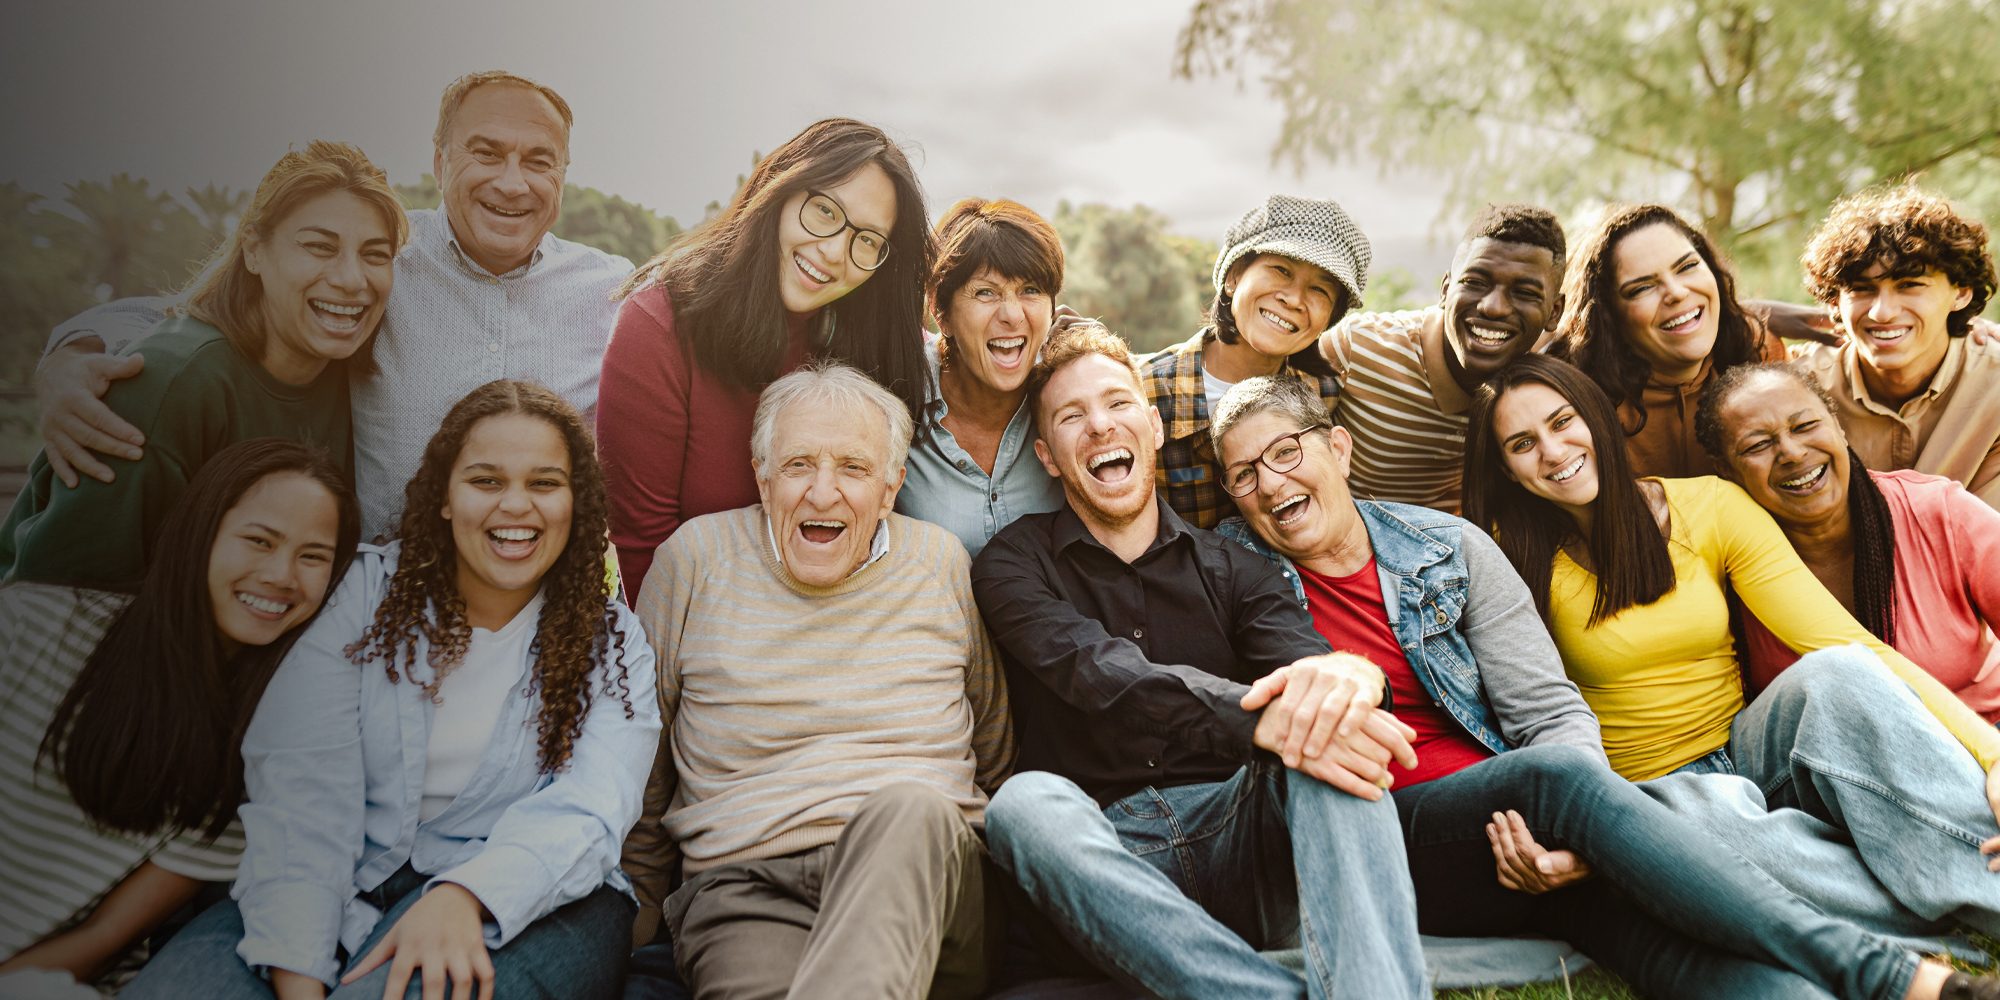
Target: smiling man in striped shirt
point(1408, 376)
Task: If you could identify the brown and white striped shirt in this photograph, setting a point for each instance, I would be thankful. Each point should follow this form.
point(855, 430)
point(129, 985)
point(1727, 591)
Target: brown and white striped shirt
point(1397, 400)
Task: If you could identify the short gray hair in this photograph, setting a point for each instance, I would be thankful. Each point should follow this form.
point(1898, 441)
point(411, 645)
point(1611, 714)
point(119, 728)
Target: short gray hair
point(455, 94)
point(826, 382)
point(1287, 395)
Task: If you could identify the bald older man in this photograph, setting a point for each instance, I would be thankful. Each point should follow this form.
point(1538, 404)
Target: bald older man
point(835, 720)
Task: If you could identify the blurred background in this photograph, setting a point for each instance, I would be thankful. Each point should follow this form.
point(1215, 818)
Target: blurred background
point(1141, 128)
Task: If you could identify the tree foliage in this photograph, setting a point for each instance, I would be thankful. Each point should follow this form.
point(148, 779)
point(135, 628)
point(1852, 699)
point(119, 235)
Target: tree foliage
point(1752, 116)
point(1123, 267)
point(589, 216)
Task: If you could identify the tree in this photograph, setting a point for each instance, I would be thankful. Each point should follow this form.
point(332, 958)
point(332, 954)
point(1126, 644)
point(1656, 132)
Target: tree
point(135, 241)
point(589, 216)
point(1752, 116)
point(1123, 267)
point(43, 281)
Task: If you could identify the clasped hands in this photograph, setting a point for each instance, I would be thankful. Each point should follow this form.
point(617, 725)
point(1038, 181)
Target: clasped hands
point(1320, 717)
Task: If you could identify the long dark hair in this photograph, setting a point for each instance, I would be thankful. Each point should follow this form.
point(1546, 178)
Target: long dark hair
point(1872, 530)
point(723, 276)
point(150, 734)
point(574, 636)
point(1592, 334)
point(1633, 565)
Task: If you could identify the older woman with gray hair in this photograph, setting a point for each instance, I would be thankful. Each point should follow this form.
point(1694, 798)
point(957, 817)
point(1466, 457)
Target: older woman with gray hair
point(833, 854)
point(1288, 271)
point(1508, 753)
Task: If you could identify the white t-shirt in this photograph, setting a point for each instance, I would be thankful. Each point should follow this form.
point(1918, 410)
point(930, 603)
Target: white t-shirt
point(469, 701)
point(1213, 388)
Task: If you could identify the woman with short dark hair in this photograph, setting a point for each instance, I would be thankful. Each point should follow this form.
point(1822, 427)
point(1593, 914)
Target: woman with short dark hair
point(1650, 314)
point(972, 468)
point(823, 253)
point(124, 712)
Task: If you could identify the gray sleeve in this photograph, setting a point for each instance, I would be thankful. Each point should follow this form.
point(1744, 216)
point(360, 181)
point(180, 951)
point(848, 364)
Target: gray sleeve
point(119, 323)
point(1518, 663)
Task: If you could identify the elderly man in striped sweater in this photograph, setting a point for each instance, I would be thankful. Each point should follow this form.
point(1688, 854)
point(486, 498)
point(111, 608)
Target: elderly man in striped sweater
point(835, 720)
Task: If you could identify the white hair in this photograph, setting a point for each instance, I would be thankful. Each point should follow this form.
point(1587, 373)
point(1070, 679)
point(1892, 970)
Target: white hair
point(830, 385)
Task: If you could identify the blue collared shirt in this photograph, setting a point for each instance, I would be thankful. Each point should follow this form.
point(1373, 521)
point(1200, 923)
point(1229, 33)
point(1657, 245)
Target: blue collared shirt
point(334, 764)
point(946, 487)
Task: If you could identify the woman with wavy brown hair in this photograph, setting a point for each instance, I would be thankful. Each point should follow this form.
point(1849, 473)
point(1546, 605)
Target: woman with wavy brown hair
point(1651, 314)
point(443, 770)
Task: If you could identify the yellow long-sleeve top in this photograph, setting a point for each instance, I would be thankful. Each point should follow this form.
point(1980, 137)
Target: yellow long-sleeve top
point(1663, 678)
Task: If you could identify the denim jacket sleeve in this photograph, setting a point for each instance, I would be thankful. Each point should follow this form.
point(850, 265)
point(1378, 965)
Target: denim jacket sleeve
point(1519, 666)
point(303, 769)
point(559, 844)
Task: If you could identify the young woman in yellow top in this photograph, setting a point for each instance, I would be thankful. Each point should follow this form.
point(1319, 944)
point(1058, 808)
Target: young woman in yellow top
point(1630, 575)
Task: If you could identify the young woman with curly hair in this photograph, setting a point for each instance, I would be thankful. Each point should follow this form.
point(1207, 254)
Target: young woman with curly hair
point(1650, 314)
point(1633, 577)
point(443, 771)
point(120, 770)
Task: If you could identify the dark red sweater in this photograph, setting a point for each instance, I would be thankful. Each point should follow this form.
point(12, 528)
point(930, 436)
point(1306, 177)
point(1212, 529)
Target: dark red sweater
point(674, 439)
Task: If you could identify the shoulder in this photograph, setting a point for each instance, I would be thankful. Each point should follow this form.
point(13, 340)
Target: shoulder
point(1926, 499)
point(648, 302)
point(1982, 359)
point(584, 262)
point(721, 535)
point(929, 545)
point(1823, 360)
point(181, 343)
point(1178, 361)
point(186, 362)
point(1402, 327)
point(1030, 536)
point(43, 623)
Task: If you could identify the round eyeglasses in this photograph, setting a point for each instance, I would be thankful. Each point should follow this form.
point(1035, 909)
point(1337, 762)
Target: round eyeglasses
point(823, 217)
point(1280, 456)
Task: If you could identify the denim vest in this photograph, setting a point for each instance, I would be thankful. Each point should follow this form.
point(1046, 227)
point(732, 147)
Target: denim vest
point(1423, 588)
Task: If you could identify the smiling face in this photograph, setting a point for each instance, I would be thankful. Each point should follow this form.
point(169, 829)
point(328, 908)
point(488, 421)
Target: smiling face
point(1668, 300)
point(815, 270)
point(509, 504)
point(1281, 305)
point(826, 486)
point(501, 171)
point(997, 326)
point(1099, 436)
point(1498, 300)
point(1304, 513)
point(1546, 446)
point(1900, 323)
point(273, 559)
point(326, 270)
point(1786, 450)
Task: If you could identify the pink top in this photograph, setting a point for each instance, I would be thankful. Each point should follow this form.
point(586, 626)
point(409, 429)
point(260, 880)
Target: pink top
point(673, 437)
point(1947, 590)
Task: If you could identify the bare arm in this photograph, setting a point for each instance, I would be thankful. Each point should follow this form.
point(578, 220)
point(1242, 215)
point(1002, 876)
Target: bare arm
point(1796, 322)
point(132, 910)
point(70, 382)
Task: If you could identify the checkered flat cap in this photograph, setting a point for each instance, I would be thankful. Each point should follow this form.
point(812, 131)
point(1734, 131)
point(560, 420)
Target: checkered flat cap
point(1317, 232)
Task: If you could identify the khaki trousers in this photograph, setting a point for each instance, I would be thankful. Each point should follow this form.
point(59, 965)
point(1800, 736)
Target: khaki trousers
point(896, 909)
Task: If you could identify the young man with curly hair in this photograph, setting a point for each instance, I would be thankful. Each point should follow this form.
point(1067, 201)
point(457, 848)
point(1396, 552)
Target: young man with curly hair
point(1905, 274)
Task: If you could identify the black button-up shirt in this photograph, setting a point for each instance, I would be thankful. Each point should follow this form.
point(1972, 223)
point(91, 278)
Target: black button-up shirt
point(1128, 675)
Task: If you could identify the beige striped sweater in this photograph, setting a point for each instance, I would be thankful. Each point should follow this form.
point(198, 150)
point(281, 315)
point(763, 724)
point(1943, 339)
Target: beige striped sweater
point(1406, 415)
point(785, 704)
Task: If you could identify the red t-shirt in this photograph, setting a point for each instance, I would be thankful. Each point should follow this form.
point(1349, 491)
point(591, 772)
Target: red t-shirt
point(1348, 611)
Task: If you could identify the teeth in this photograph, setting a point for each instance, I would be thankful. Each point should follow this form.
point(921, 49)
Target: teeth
point(1682, 320)
point(1486, 336)
point(824, 524)
point(1889, 333)
point(1568, 471)
point(510, 213)
point(815, 273)
point(1295, 504)
point(514, 534)
point(1110, 456)
point(1280, 321)
point(1008, 344)
point(1803, 481)
point(337, 310)
point(262, 604)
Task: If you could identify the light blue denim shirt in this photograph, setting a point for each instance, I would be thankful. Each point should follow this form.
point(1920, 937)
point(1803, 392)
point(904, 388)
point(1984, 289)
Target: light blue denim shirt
point(1467, 625)
point(334, 764)
point(946, 487)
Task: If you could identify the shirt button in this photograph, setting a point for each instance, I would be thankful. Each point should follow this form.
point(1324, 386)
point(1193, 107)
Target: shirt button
point(1138, 633)
point(996, 496)
point(1441, 616)
point(1152, 763)
point(961, 463)
point(495, 348)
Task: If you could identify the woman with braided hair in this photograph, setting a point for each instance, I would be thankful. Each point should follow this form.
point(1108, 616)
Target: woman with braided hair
point(443, 770)
point(1910, 555)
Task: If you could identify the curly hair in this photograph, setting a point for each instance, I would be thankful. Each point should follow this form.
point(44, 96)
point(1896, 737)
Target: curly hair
point(575, 635)
point(1910, 232)
point(1592, 334)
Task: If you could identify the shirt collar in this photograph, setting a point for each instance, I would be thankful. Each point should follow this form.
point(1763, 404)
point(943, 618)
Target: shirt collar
point(1070, 529)
point(877, 546)
point(1445, 390)
point(1941, 381)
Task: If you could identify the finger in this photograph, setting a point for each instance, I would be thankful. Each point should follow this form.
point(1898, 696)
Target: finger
point(1522, 835)
point(462, 984)
point(1263, 690)
point(121, 438)
point(79, 457)
point(1502, 868)
point(1342, 726)
point(399, 979)
point(382, 953)
point(1321, 716)
point(1304, 714)
point(82, 430)
point(482, 966)
point(434, 984)
point(59, 463)
point(1343, 778)
point(1393, 735)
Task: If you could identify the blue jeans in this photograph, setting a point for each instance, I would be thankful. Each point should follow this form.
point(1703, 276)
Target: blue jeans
point(1856, 798)
point(1174, 890)
point(1671, 909)
point(577, 951)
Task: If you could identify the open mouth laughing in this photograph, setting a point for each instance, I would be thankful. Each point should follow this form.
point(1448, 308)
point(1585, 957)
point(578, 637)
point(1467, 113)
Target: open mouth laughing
point(337, 317)
point(1567, 472)
point(1886, 334)
point(822, 531)
point(1110, 466)
point(1486, 336)
point(1807, 482)
point(813, 274)
point(513, 542)
point(263, 607)
point(1278, 321)
point(1686, 322)
point(1007, 353)
point(1291, 511)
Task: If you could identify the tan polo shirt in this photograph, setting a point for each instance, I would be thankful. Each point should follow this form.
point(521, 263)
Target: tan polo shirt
point(1951, 429)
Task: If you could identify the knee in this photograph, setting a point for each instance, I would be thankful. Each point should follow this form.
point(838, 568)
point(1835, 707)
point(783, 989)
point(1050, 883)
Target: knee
point(1035, 805)
point(1843, 669)
point(908, 803)
point(1560, 761)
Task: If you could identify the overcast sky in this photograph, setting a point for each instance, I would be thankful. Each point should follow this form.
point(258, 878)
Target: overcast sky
point(1035, 100)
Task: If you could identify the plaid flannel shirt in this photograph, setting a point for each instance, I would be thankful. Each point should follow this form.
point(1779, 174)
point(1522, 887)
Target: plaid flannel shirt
point(1187, 471)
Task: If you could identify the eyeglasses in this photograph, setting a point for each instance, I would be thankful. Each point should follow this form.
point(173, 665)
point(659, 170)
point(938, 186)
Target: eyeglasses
point(1280, 456)
point(823, 217)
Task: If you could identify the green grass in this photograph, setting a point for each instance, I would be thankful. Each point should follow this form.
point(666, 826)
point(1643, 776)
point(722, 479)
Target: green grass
point(1596, 984)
